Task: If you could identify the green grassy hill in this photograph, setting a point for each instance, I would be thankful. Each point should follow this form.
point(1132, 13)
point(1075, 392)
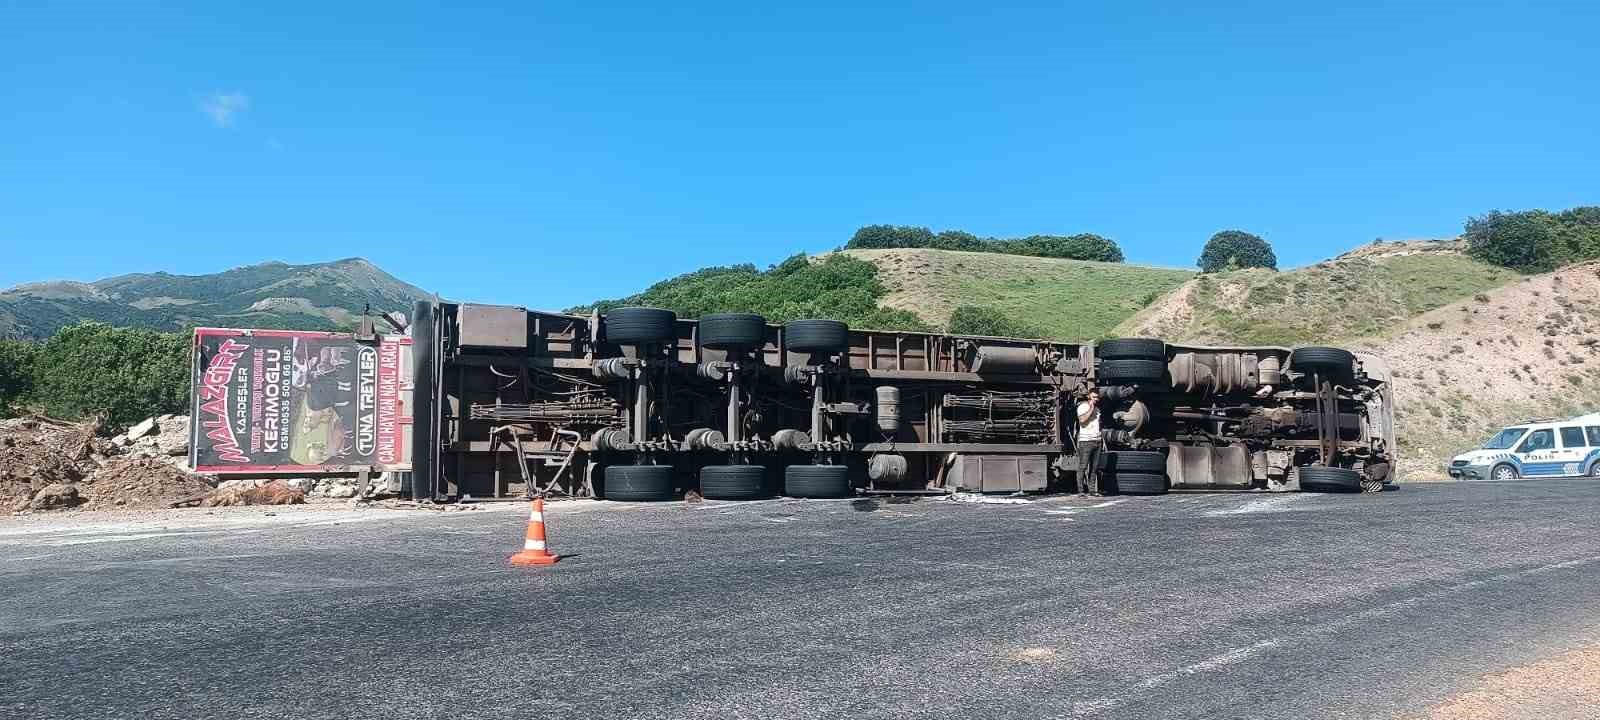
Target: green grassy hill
point(1357, 294)
point(1061, 299)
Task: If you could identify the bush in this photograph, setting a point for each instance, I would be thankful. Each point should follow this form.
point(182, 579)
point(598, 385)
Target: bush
point(16, 373)
point(124, 374)
point(1083, 246)
point(1235, 249)
point(975, 320)
point(957, 240)
point(838, 287)
point(879, 237)
point(1578, 233)
point(1525, 241)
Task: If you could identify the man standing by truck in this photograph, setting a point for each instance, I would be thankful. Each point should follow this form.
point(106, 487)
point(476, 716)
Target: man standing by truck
point(1089, 445)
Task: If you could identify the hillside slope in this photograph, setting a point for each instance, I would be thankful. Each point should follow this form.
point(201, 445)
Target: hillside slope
point(273, 294)
point(1067, 299)
point(1362, 292)
point(1528, 349)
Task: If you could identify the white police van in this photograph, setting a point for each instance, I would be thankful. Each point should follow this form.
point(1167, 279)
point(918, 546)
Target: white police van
point(1560, 448)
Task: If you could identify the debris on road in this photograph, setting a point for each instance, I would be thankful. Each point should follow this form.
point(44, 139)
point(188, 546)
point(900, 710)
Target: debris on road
point(981, 499)
point(49, 464)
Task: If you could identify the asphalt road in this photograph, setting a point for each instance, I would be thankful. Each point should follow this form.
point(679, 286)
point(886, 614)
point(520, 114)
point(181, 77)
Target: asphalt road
point(1202, 606)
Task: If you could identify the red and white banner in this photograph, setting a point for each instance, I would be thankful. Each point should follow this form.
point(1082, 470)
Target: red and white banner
point(290, 401)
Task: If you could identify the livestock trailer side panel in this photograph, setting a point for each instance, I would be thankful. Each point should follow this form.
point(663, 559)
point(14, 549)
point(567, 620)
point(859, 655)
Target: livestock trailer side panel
point(289, 402)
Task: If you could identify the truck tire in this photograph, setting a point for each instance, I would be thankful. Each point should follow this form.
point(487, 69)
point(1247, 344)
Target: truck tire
point(1337, 363)
point(1135, 461)
point(638, 483)
point(1138, 483)
point(733, 482)
point(817, 481)
point(816, 335)
point(733, 331)
point(1131, 349)
point(1117, 372)
point(1323, 479)
point(640, 325)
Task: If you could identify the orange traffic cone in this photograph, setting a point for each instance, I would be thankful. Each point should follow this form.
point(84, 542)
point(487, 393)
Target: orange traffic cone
point(533, 551)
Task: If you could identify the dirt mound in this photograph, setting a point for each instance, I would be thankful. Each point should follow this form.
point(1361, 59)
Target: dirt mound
point(48, 464)
point(140, 482)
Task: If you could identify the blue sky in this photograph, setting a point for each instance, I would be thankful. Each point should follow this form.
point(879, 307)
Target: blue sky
point(487, 151)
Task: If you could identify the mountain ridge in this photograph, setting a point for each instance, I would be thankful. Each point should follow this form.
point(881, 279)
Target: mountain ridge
point(311, 296)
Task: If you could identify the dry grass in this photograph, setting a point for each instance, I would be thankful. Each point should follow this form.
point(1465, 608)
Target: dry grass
point(1528, 349)
point(1071, 300)
point(1360, 293)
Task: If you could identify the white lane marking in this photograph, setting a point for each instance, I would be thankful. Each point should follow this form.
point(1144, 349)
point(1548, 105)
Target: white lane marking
point(128, 537)
point(1262, 505)
point(1246, 652)
point(1108, 503)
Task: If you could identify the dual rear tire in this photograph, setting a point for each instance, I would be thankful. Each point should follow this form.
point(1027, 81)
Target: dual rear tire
point(817, 481)
point(638, 483)
point(654, 483)
point(1323, 479)
point(1135, 472)
point(640, 326)
point(733, 482)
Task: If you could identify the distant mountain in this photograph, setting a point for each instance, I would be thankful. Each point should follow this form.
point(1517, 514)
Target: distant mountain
point(320, 296)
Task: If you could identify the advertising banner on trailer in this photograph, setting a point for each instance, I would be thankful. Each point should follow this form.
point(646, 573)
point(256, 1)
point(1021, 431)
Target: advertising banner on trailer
point(290, 401)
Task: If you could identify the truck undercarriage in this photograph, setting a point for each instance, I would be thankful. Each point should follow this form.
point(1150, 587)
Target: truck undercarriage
point(637, 404)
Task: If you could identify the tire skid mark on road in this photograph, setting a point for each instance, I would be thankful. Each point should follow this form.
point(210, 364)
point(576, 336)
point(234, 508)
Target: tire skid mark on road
point(1088, 708)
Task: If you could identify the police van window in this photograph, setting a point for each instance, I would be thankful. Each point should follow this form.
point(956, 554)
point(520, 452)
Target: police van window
point(1572, 437)
point(1594, 435)
point(1539, 440)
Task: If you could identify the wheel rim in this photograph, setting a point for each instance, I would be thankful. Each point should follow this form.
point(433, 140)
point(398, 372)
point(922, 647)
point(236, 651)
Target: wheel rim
point(1504, 473)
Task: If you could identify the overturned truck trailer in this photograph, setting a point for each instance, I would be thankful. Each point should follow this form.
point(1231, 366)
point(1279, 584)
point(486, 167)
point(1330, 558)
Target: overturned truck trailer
point(637, 404)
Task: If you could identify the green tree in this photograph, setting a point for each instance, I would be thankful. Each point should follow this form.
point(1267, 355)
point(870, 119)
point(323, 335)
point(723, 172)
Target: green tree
point(837, 287)
point(957, 240)
point(16, 373)
point(1525, 241)
point(977, 320)
point(1234, 249)
point(125, 374)
point(879, 237)
point(1083, 246)
point(1578, 233)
